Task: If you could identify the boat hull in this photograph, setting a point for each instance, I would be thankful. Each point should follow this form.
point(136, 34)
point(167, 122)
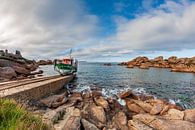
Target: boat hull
point(65, 69)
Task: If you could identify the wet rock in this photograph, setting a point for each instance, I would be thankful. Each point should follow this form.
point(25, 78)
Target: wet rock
point(86, 95)
point(174, 114)
point(102, 102)
point(7, 73)
point(189, 115)
point(125, 94)
point(88, 126)
point(128, 94)
point(98, 114)
point(120, 121)
point(96, 93)
point(173, 106)
point(114, 104)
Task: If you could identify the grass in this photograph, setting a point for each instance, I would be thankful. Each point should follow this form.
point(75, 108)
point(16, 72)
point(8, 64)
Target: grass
point(14, 117)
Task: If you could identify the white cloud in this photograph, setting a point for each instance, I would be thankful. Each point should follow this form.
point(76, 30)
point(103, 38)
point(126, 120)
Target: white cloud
point(160, 29)
point(44, 28)
point(168, 28)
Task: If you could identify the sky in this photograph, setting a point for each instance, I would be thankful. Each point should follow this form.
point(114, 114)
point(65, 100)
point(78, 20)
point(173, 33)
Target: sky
point(98, 30)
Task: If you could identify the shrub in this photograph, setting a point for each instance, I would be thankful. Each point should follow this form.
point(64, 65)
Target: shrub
point(14, 117)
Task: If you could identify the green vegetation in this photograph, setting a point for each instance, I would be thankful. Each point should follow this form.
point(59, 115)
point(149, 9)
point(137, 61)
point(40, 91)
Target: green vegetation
point(14, 117)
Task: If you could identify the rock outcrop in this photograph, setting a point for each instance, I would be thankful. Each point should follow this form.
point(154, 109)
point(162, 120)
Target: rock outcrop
point(95, 112)
point(14, 66)
point(173, 63)
point(45, 62)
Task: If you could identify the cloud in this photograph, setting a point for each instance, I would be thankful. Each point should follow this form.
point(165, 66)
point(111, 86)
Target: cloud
point(168, 28)
point(45, 28)
point(163, 28)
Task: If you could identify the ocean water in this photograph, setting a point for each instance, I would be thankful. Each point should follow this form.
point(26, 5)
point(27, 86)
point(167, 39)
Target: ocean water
point(173, 86)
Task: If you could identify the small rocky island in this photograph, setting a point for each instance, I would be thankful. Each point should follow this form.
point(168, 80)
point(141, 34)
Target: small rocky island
point(173, 63)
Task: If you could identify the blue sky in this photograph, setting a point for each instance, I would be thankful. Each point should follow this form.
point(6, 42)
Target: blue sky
point(107, 10)
point(98, 30)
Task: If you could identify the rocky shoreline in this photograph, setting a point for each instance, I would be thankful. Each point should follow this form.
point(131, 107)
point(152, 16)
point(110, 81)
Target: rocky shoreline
point(15, 66)
point(173, 63)
point(92, 111)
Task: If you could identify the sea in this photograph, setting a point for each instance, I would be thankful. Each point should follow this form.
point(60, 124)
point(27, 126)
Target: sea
point(175, 87)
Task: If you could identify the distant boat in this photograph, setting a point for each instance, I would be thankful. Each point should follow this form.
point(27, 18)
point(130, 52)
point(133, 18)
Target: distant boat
point(66, 66)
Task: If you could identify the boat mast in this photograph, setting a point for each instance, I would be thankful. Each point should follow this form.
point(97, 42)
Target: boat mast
point(70, 53)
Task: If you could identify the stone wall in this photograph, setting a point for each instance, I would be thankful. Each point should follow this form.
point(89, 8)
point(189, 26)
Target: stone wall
point(38, 90)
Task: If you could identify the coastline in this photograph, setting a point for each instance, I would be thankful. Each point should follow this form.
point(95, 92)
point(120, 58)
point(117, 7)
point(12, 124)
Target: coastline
point(91, 110)
point(173, 63)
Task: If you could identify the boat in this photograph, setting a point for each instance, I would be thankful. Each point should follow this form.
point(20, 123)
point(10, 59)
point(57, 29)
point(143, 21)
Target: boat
point(66, 66)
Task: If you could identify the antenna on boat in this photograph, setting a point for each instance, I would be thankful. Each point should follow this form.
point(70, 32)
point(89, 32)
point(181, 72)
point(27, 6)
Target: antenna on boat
point(70, 53)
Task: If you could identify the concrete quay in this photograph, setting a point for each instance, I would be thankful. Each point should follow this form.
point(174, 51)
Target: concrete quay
point(35, 90)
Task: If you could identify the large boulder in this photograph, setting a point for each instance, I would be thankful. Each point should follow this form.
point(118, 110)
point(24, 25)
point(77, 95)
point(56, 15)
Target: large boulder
point(175, 114)
point(172, 59)
point(145, 65)
point(145, 106)
point(45, 62)
point(8, 63)
point(128, 94)
point(124, 94)
point(21, 70)
point(159, 58)
point(120, 121)
point(71, 120)
point(7, 73)
point(138, 125)
point(102, 102)
point(88, 126)
point(140, 59)
point(189, 115)
point(160, 123)
point(156, 109)
point(130, 66)
point(134, 107)
point(98, 114)
point(32, 67)
point(54, 101)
